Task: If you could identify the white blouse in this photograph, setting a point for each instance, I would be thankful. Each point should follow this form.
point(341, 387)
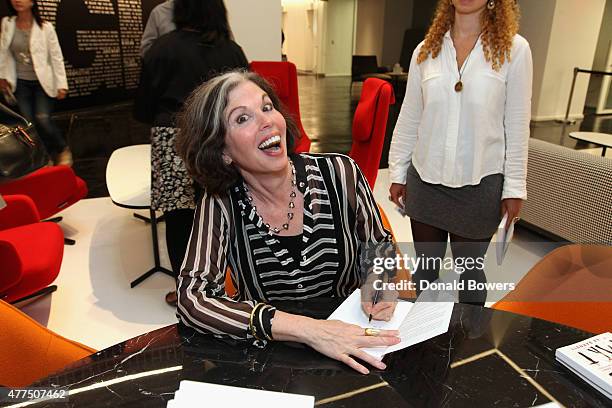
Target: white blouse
point(457, 138)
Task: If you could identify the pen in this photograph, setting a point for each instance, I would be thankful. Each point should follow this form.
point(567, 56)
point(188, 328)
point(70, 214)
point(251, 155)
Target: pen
point(373, 303)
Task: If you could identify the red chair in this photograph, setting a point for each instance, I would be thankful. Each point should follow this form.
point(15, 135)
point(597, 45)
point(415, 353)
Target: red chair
point(52, 189)
point(283, 77)
point(370, 125)
point(30, 251)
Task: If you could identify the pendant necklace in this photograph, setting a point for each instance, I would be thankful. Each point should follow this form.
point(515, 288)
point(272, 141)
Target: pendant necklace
point(292, 196)
point(459, 84)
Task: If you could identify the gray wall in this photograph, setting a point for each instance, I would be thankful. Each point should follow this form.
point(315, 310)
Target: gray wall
point(536, 22)
point(398, 18)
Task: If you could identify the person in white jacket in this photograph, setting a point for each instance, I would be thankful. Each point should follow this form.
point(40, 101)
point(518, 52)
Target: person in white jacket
point(32, 67)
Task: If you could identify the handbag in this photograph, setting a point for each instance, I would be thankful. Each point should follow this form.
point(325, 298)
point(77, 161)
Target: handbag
point(21, 150)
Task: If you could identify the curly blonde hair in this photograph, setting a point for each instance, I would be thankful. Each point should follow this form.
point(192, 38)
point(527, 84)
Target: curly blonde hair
point(499, 25)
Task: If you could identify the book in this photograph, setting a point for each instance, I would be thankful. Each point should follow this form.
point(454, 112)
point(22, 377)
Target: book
point(195, 394)
point(416, 322)
point(503, 238)
point(591, 360)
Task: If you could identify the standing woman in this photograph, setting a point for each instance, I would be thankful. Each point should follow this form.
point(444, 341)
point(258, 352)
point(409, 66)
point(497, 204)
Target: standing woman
point(458, 158)
point(32, 67)
point(175, 65)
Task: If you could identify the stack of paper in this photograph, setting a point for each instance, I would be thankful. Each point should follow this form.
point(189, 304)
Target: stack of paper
point(416, 322)
point(591, 360)
point(196, 394)
point(503, 238)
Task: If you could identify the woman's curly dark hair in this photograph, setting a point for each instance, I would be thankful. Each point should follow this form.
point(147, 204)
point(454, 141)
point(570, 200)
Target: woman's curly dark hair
point(499, 25)
point(202, 128)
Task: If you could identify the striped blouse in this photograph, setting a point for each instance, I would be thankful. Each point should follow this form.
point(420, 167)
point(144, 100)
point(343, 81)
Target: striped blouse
point(339, 215)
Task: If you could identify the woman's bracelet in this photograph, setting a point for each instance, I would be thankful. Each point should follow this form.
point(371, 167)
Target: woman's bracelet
point(260, 321)
point(252, 318)
point(266, 322)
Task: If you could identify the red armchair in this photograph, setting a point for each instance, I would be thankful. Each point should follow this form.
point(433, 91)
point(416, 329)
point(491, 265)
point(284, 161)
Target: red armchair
point(283, 77)
point(370, 126)
point(30, 251)
point(51, 188)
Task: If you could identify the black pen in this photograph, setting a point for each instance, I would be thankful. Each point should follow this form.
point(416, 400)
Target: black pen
point(373, 303)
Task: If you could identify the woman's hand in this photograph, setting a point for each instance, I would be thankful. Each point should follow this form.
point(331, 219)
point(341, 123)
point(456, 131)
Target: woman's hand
point(512, 206)
point(338, 340)
point(4, 85)
point(381, 310)
point(61, 93)
point(342, 341)
point(397, 194)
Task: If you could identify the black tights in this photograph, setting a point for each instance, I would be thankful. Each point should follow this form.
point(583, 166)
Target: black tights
point(178, 229)
point(430, 242)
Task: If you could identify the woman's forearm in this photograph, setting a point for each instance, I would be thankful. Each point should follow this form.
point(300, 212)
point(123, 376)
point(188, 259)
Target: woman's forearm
point(291, 327)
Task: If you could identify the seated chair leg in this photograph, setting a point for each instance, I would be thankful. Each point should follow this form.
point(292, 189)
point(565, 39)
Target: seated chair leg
point(67, 241)
point(42, 292)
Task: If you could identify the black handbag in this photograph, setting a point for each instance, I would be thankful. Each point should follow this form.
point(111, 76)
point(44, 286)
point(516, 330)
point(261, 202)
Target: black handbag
point(21, 150)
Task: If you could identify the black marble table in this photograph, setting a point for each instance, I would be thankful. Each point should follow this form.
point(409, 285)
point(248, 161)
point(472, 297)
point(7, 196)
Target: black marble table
point(487, 358)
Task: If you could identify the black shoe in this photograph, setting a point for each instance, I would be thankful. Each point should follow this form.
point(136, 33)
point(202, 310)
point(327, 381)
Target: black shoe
point(172, 298)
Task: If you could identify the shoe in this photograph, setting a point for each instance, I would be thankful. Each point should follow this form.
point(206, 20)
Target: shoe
point(172, 298)
point(64, 158)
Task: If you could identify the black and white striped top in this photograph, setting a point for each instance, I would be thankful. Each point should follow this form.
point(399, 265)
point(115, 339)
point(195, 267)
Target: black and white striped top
point(339, 214)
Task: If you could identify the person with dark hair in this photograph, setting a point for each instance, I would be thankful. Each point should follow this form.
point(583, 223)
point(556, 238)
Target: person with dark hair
point(32, 67)
point(160, 22)
point(288, 226)
point(174, 66)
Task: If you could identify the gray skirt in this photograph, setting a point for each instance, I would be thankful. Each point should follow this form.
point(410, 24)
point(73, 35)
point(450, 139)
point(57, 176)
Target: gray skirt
point(470, 211)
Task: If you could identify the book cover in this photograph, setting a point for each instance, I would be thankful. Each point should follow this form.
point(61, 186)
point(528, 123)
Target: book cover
point(590, 359)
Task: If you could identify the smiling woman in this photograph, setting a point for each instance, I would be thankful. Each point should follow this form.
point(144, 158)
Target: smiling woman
point(289, 226)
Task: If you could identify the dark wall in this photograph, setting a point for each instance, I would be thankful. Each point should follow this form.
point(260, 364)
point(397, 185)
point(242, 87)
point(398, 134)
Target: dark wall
point(100, 40)
point(422, 13)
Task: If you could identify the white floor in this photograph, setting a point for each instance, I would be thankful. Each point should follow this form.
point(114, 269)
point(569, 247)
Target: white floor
point(94, 303)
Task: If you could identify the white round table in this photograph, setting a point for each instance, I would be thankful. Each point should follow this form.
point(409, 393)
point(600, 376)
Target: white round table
point(600, 139)
point(128, 179)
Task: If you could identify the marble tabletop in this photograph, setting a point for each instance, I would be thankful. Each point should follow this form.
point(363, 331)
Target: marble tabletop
point(487, 358)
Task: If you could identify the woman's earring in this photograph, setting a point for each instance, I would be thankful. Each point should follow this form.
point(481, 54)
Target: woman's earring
point(227, 160)
point(490, 4)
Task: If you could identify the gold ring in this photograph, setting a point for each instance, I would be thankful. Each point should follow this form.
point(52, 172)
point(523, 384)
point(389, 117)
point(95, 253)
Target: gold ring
point(516, 219)
point(372, 332)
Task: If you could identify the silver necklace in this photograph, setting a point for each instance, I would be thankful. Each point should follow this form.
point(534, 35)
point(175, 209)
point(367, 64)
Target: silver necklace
point(292, 196)
point(459, 84)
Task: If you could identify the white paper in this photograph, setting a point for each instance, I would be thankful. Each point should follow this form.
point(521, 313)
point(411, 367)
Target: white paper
point(194, 394)
point(425, 321)
point(416, 322)
point(503, 239)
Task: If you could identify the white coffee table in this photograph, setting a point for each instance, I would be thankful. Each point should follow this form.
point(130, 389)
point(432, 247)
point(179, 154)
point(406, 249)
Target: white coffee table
point(128, 179)
point(600, 139)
